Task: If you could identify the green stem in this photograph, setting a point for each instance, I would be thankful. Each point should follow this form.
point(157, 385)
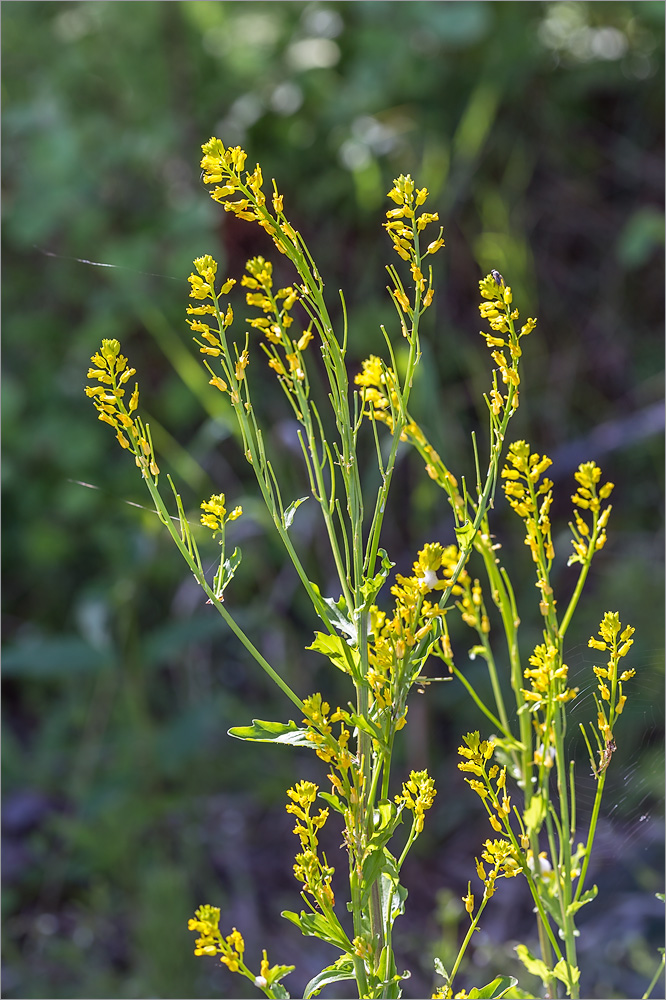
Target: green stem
point(468, 936)
point(590, 836)
point(486, 711)
point(166, 519)
point(652, 985)
point(564, 861)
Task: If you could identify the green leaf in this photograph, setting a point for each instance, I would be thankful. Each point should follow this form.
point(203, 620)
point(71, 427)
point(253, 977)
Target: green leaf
point(440, 970)
point(226, 571)
point(272, 732)
point(372, 867)
point(280, 971)
point(386, 819)
point(316, 925)
point(366, 726)
point(333, 801)
point(336, 973)
point(535, 814)
point(385, 813)
point(288, 515)
point(566, 973)
point(279, 992)
point(392, 897)
point(504, 746)
point(370, 588)
point(494, 990)
point(533, 965)
point(587, 897)
point(232, 563)
point(340, 619)
point(465, 534)
point(333, 647)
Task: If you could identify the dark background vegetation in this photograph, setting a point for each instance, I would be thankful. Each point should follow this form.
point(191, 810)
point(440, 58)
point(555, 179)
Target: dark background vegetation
point(538, 128)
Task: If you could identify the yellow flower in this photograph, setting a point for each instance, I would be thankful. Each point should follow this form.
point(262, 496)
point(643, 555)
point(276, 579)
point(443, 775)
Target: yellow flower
point(305, 339)
point(215, 516)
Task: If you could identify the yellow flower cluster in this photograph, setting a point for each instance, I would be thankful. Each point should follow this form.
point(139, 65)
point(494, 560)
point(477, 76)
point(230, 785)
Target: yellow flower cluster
point(547, 678)
point(319, 723)
point(379, 390)
point(617, 641)
point(276, 321)
point(403, 226)
point(230, 948)
point(477, 753)
point(112, 373)
point(392, 639)
point(530, 499)
point(418, 794)
point(496, 309)
point(216, 516)
point(589, 496)
point(501, 855)
point(202, 286)
point(309, 869)
point(241, 191)
point(205, 921)
point(210, 940)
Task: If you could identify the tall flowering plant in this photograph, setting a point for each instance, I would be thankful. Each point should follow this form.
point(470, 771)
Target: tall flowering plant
point(382, 644)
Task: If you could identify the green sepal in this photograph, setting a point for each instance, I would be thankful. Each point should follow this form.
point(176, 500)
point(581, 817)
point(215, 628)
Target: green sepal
point(336, 973)
point(496, 989)
point(316, 925)
point(272, 732)
point(333, 647)
point(587, 897)
point(288, 515)
point(535, 814)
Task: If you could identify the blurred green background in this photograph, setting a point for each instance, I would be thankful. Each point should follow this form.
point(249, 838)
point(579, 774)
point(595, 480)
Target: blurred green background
point(538, 129)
